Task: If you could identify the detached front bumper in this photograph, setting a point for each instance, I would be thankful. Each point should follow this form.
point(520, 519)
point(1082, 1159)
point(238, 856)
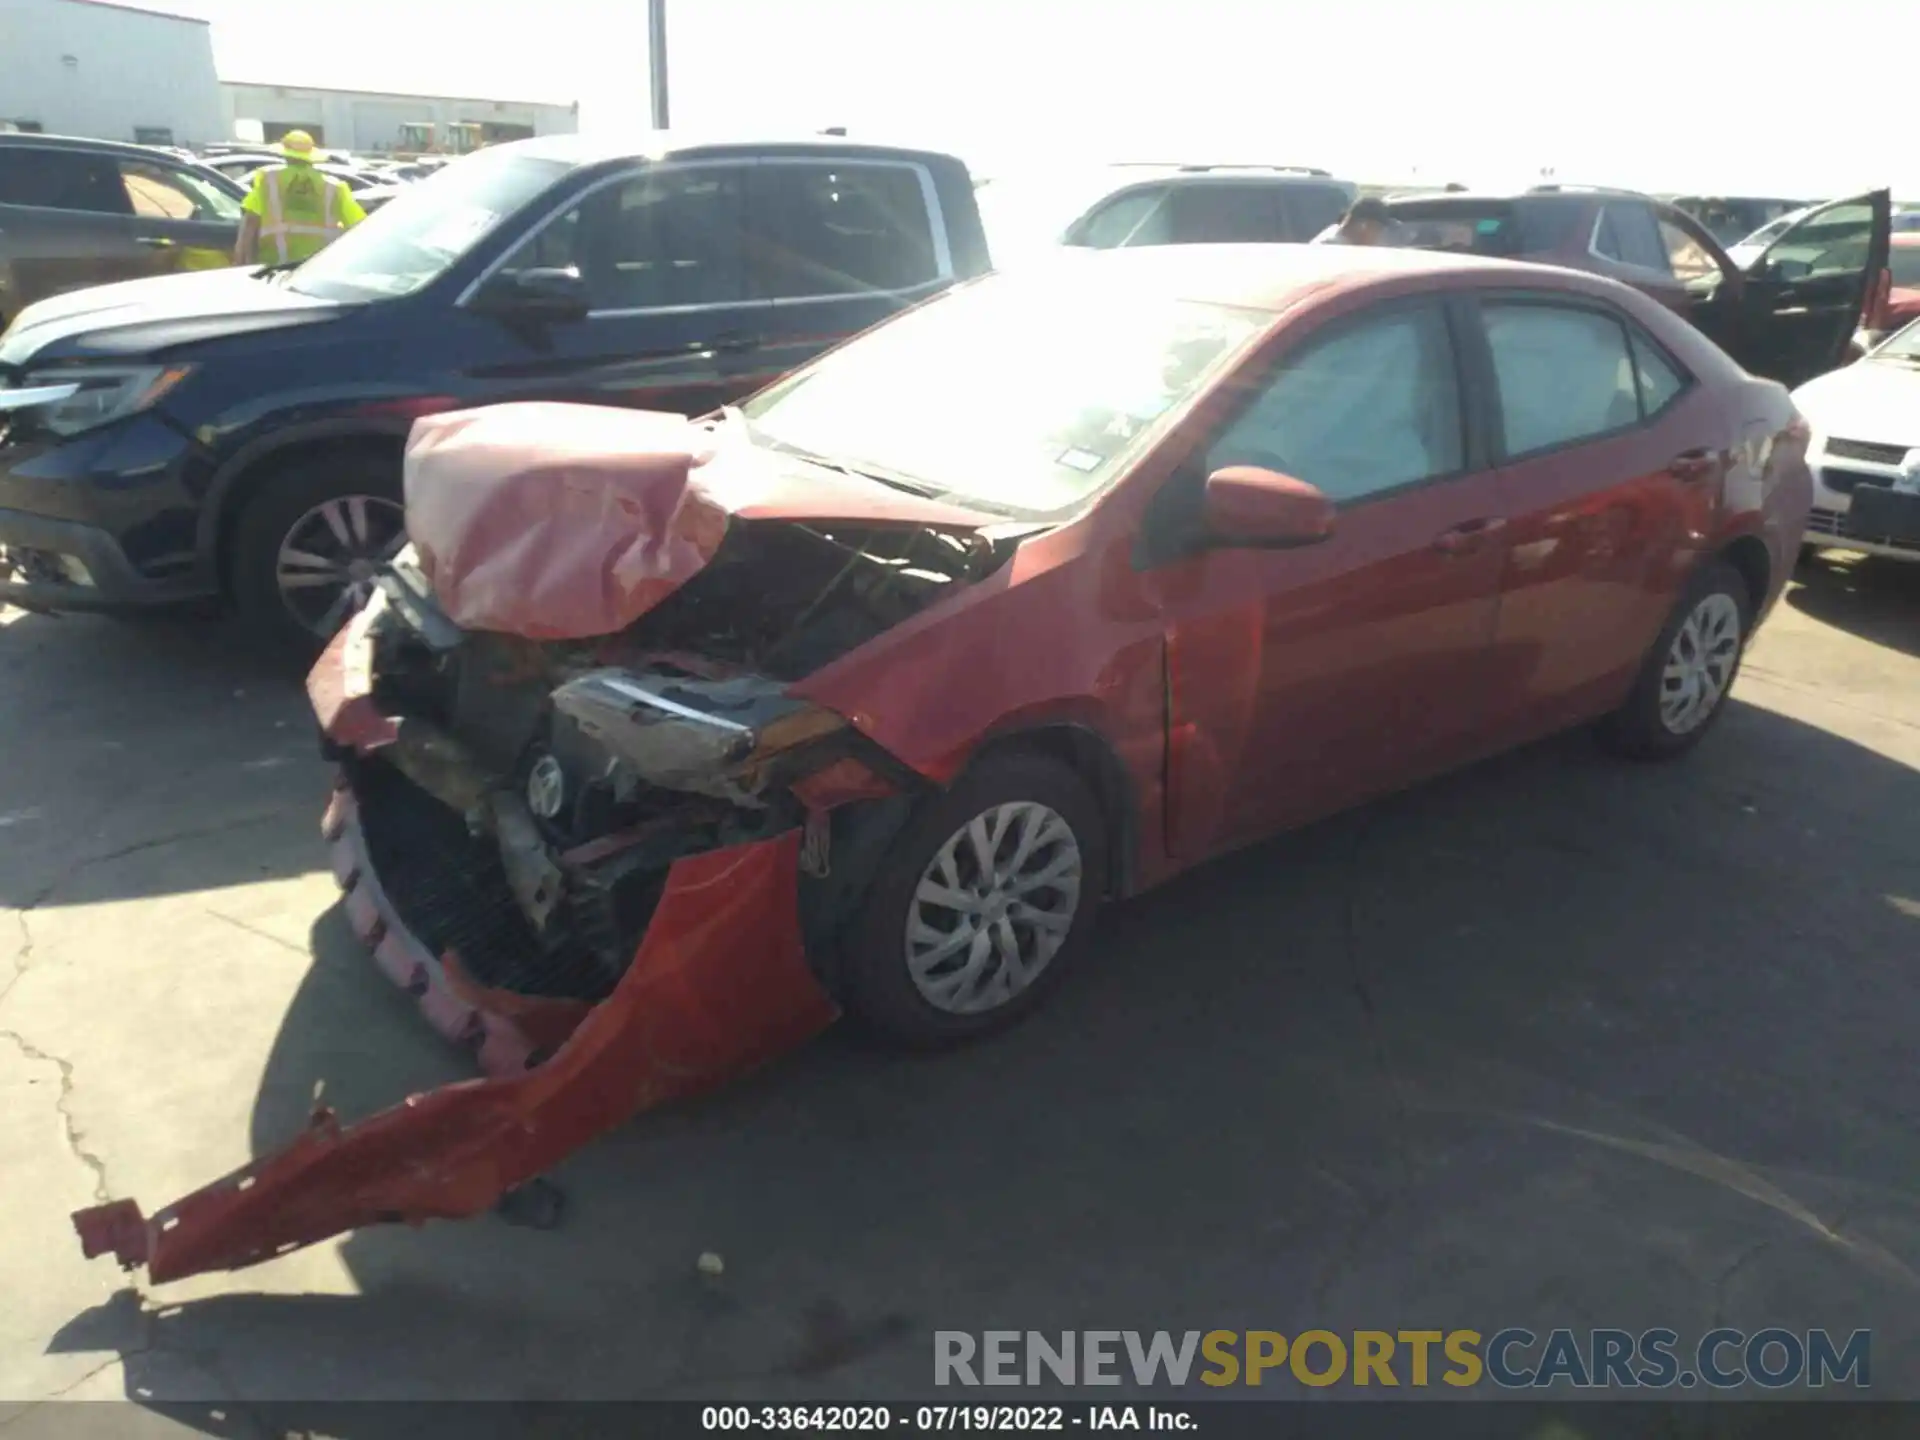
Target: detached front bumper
point(719, 985)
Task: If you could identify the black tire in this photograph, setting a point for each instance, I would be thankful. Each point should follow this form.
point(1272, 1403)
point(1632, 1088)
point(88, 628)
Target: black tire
point(1638, 729)
point(876, 986)
point(278, 504)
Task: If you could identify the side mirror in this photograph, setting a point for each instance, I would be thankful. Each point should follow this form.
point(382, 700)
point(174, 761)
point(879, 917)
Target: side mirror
point(541, 293)
point(1248, 505)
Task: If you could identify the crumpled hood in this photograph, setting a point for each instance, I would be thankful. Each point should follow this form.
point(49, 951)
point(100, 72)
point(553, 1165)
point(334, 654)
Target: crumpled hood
point(139, 317)
point(563, 522)
point(1871, 400)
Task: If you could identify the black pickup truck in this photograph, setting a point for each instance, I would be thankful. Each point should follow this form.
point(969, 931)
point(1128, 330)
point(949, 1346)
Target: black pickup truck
point(236, 435)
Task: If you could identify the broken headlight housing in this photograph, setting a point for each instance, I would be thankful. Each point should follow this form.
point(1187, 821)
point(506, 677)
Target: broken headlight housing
point(69, 401)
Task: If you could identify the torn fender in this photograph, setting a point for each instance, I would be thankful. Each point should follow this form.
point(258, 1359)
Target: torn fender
point(720, 984)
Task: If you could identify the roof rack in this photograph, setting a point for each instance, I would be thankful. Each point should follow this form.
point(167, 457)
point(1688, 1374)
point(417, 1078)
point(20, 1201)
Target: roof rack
point(1190, 167)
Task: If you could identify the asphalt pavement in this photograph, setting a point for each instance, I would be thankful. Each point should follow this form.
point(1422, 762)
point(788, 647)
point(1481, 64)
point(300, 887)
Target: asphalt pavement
point(1558, 1041)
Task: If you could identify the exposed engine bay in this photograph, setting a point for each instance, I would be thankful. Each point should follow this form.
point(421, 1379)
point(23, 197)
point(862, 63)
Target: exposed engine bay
point(534, 794)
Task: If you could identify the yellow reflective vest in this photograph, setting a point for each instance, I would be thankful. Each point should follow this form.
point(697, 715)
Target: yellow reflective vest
point(300, 211)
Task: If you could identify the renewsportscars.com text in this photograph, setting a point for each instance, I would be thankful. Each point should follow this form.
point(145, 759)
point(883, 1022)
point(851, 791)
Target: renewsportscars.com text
point(1513, 1359)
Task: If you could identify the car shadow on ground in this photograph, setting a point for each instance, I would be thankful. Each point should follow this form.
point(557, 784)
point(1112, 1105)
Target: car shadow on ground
point(1552, 1041)
point(1877, 600)
point(126, 735)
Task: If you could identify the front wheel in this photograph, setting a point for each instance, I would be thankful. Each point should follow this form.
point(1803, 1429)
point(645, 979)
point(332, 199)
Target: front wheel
point(1684, 683)
point(309, 545)
point(981, 907)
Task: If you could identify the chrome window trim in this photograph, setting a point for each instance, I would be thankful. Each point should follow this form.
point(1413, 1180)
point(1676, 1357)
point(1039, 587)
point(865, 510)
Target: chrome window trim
point(929, 195)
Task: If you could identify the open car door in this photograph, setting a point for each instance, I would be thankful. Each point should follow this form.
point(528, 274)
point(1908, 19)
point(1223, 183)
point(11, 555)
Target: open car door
point(1809, 290)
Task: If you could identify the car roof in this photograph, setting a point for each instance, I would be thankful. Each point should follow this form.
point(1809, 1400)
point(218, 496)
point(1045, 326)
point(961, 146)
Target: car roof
point(599, 148)
point(76, 142)
point(1274, 277)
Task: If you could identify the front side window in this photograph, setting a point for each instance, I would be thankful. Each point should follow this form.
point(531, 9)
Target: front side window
point(1833, 242)
point(61, 180)
point(669, 236)
point(1564, 374)
point(425, 230)
point(1139, 217)
point(826, 228)
point(1371, 408)
point(1027, 392)
point(161, 192)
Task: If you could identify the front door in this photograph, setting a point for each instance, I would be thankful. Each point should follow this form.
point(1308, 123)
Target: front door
point(1301, 681)
point(1608, 489)
point(1809, 291)
point(67, 224)
point(671, 325)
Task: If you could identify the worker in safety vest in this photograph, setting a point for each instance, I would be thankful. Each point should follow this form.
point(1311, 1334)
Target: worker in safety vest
point(293, 211)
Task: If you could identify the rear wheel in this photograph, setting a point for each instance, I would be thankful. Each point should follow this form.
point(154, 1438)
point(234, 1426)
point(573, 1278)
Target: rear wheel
point(1684, 683)
point(309, 545)
point(983, 904)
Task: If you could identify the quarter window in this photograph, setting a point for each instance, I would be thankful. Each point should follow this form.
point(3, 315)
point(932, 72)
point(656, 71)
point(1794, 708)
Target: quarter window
point(840, 228)
point(1370, 408)
point(1564, 374)
point(1660, 379)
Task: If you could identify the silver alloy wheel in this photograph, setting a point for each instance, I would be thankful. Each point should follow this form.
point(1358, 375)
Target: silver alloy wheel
point(993, 907)
point(329, 556)
point(1700, 664)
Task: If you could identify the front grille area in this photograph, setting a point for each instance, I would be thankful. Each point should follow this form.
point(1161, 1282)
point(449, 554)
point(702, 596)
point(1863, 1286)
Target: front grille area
point(1868, 450)
point(449, 888)
point(1834, 524)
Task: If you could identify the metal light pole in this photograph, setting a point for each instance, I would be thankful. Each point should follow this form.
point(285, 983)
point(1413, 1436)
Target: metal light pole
point(657, 60)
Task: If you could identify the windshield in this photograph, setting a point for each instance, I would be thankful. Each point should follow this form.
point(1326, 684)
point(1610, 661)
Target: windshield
point(415, 237)
point(1902, 345)
point(1027, 394)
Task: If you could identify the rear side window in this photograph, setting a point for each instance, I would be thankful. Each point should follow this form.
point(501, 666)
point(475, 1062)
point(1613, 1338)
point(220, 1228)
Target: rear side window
point(1222, 214)
point(825, 228)
point(1468, 229)
point(1312, 208)
point(61, 180)
point(1628, 233)
point(1564, 374)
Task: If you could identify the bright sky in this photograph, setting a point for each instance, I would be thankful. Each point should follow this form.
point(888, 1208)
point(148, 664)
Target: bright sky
point(1720, 95)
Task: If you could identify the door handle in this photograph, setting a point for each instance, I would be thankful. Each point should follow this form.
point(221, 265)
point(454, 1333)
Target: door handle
point(1468, 536)
point(1692, 465)
point(153, 242)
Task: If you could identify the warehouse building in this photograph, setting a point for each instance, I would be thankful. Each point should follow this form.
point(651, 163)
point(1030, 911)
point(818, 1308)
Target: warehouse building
point(108, 71)
point(369, 122)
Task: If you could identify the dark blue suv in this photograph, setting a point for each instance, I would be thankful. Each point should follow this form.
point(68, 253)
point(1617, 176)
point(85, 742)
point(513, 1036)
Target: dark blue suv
point(236, 436)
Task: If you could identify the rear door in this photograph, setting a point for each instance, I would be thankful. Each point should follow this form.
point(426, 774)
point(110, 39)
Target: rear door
point(65, 223)
point(182, 220)
point(672, 325)
point(1809, 291)
point(834, 246)
point(1609, 474)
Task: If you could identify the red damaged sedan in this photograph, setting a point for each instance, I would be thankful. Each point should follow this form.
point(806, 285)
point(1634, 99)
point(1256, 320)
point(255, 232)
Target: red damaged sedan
point(668, 741)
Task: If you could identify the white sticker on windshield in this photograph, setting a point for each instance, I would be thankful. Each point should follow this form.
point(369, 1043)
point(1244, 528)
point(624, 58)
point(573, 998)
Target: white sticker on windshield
point(457, 229)
point(1082, 460)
